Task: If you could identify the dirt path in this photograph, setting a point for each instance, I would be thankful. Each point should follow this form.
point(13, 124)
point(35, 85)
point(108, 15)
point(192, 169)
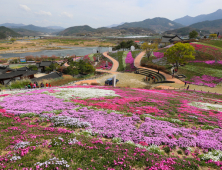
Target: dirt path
point(168, 77)
point(112, 72)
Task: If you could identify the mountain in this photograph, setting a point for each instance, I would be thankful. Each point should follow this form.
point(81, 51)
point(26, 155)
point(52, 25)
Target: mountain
point(55, 27)
point(40, 29)
point(46, 30)
point(12, 25)
point(115, 25)
point(77, 29)
point(25, 32)
point(187, 20)
point(156, 24)
point(212, 26)
point(185, 31)
point(4, 32)
point(103, 31)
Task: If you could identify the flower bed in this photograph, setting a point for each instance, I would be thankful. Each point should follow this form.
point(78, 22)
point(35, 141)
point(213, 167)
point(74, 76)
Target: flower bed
point(208, 49)
point(205, 80)
point(132, 127)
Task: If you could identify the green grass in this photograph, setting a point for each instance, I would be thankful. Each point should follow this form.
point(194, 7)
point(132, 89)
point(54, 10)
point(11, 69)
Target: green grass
point(135, 53)
point(213, 43)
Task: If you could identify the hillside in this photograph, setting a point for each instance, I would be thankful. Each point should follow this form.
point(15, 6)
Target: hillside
point(4, 32)
point(156, 24)
point(76, 29)
point(101, 127)
point(187, 20)
point(26, 32)
point(212, 26)
point(185, 31)
point(40, 29)
point(103, 31)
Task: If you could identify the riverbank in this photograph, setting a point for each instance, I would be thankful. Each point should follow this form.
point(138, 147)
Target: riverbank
point(48, 44)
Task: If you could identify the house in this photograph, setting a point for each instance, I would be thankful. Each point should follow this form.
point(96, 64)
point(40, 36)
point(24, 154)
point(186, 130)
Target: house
point(52, 75)
point(6, 78)
point(41, 66)
point(5, 69)
point(169, 39)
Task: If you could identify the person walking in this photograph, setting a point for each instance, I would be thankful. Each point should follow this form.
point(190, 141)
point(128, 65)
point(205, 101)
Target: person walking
point(29, 87)
point(34, 85)
point(185, 83)
point(188, 87)
point(42, 85)
point(46, 85)
point(50, 85)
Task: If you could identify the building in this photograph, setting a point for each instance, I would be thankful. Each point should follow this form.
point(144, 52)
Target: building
point(169, 39)
point(52, 75)
point(41, 66)
point(5, 69)
point(6, 78)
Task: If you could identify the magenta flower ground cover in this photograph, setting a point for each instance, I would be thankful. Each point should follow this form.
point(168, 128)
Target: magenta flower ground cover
point(158, 54)
point(207, 62)
point(205, 80)
point(149, 120)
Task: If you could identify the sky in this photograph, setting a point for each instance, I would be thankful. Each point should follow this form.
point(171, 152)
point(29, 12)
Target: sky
point(99, 13)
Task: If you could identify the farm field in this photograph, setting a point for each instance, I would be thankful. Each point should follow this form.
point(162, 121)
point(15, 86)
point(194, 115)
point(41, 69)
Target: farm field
point(100, 127)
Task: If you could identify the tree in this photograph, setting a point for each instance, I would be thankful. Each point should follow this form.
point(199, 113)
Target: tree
point(149, 48)
point(193, 34)
point(213, 36)
point(12, 40)
point(123, 45)
point(180, 53)
point(33, 67)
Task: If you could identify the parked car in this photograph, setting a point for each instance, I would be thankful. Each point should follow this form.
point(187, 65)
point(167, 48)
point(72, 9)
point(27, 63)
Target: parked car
point(110, 81)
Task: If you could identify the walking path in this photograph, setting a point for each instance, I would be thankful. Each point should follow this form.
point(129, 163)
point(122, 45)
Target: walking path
point(112, 71)
point(168, 77)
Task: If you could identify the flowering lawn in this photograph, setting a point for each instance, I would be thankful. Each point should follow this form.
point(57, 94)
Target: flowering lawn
point(100, 127)
point(125, 59)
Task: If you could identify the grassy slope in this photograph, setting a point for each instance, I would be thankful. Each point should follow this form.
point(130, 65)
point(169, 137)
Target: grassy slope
point(213, 43)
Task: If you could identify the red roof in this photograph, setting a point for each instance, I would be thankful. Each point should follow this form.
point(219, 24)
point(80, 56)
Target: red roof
point(137, 41)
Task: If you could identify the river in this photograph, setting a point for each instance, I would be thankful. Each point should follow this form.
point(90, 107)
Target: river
point(78, 51)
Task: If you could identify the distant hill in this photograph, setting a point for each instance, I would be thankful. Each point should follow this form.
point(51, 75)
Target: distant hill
point(40, 29)
point(25, 32)
point(212, 26)
point(185, 31)
point(55, 27)
point(103, 31)
point(46, 30)
point(4, 32)
point(187, 20)
point(156, 24)
point(77, 29)
point(115, 25)
point(12, 25)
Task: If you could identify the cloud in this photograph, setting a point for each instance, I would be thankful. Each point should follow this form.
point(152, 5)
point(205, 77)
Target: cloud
point(44, 13)
point(24, 7)
point(67, 14)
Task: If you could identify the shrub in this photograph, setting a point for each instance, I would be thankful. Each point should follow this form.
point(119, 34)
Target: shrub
point(179, 152)
point(19, 83)
point(167, 149)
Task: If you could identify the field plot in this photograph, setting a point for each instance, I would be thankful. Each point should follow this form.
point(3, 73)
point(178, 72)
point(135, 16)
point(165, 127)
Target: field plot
point(99, 127)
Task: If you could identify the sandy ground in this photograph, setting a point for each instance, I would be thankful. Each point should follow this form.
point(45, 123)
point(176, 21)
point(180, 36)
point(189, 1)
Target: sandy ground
point(126, 80)
point(38, 45)
point(39, 75)
point(217, 89)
